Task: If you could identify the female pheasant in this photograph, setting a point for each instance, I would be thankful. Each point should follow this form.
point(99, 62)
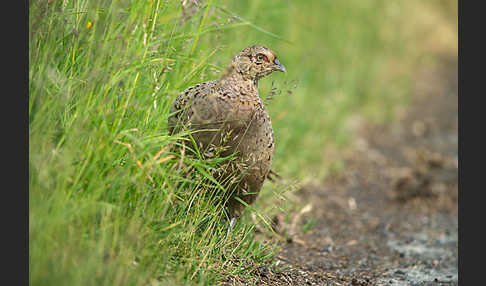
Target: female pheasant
point(228, 116)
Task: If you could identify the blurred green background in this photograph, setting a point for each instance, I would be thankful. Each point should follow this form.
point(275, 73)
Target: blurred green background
point(108, 204)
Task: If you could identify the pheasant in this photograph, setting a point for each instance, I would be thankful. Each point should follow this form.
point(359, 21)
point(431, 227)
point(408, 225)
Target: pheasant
point(229, 118)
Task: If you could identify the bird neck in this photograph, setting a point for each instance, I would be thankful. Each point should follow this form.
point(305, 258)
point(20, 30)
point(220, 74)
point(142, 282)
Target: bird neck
point(238, 83)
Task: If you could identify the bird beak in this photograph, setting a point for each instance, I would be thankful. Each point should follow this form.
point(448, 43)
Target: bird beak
point(278, 66)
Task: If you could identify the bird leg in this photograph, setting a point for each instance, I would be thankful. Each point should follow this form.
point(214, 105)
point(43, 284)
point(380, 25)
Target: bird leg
point(231, 225)
point(181, 161)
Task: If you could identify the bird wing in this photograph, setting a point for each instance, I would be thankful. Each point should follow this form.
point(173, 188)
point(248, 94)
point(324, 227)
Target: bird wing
point(200, 106)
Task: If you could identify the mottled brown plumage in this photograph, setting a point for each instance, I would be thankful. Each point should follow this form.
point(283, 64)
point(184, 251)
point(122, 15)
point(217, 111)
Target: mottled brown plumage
point(229, 116)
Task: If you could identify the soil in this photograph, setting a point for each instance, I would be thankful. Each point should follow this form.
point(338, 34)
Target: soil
point(391, 217)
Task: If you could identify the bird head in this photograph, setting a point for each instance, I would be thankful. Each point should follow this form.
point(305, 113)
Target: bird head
point(256, 62)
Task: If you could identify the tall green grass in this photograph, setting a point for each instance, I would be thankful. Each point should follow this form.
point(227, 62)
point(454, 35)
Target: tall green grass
point(111, 201)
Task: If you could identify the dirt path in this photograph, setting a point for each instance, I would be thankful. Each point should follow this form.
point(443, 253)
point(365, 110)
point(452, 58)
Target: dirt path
point(391, 218)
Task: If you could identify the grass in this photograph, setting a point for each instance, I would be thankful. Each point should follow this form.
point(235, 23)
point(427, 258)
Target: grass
point(109, 203)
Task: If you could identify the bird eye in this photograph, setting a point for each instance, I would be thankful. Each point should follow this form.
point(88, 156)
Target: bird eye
point(261, 58)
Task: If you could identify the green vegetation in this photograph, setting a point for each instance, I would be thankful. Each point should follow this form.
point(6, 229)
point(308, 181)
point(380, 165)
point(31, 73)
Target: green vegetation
point(110, 202)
